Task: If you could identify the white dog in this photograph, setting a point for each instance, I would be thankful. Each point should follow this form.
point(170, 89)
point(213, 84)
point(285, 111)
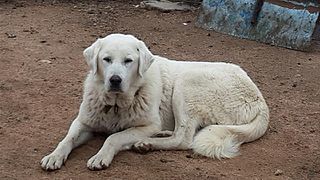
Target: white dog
point(136, 97)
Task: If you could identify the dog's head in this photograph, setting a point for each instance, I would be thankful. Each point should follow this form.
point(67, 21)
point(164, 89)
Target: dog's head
point(119, 60)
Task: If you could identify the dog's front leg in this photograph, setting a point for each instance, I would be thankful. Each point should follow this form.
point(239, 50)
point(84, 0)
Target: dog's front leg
point(117, 142)
point(78, 134)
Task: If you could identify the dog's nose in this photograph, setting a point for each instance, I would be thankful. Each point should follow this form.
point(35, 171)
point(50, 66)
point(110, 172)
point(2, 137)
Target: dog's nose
point(115, 80)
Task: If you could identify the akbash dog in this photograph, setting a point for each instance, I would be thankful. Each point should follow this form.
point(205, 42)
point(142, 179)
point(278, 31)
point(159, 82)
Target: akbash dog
point(148, 102)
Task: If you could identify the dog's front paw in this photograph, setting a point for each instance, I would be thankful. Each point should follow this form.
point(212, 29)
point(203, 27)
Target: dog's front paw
point(99, 161)
point(53, 161)
point(142, 147)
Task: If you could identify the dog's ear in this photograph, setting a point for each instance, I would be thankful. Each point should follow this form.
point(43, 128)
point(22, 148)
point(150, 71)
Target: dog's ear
point(91, 55)
point(146, 58)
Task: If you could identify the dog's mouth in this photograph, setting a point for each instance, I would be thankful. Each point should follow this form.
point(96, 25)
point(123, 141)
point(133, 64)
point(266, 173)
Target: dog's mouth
point(115, 90)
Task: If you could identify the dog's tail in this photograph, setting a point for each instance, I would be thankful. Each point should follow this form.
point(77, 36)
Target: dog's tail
point(223, 141)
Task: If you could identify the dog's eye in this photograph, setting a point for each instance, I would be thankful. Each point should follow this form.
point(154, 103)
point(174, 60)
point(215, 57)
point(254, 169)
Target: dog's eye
point(107, 59)
point(128, 61)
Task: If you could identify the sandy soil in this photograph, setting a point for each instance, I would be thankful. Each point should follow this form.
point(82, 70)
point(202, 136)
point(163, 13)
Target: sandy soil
point(38, 99)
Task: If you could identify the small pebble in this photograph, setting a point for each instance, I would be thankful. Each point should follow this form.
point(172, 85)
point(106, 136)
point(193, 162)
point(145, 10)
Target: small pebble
point(294, 85)
point(10, 35)
point(298, 75)
point(312, 131)
point(165, 160)
point(45, 61)
point(91, 11)
point(278, 172)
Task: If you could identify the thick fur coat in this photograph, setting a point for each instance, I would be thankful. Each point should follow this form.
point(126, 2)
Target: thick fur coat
point(161, 104)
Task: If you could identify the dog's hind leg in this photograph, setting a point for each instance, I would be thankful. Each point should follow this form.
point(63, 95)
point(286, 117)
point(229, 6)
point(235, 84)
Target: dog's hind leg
point(180, 140)
point(77, 135)
point(183, 134)
point(165, 133)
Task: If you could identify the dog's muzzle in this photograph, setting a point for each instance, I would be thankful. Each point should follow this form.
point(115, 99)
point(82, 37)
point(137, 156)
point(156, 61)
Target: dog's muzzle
point(115, 83)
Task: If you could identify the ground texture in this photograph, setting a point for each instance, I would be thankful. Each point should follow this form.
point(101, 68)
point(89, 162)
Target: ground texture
point(42, 72)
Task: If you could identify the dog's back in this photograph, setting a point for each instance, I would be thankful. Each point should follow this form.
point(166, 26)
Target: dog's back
point(221, 98)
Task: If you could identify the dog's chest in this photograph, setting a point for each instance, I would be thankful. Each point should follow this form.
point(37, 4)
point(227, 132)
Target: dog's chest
point(109, 119)
point(102, 117)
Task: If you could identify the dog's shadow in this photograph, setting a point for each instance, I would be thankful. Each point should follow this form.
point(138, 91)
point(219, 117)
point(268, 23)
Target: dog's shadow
point(80, 155)
point(89, 148)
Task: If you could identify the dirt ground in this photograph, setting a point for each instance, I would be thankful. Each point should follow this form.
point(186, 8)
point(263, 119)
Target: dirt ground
point(42, 72)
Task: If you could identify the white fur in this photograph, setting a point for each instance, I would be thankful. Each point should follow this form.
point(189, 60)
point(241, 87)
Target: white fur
point(162, 97)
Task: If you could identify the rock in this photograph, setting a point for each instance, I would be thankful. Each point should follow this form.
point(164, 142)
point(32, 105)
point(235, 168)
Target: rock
point(189, 156)
point(294, 84)
point(20, 4)
point(45, 61)
point(166, 160)
point(275, 77)
point(165, 6)
point(312, 131)
point(278, 172)
point(11, 35)
point(31, 30)
point(297, 75)
point(91, 11)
